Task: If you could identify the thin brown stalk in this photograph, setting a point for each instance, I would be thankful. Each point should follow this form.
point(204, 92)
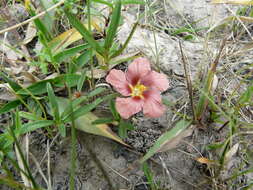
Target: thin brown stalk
point(188, 80)
point(32, 19)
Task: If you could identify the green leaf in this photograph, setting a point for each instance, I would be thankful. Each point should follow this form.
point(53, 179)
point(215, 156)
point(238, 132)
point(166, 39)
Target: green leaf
point(124, 127)
point(102, 120)
point(126, 2)
point(36, 88)
point(17, 121)
point(83, 110)
point(48, 19)
point(76, 103)
point(115, 114)
point(175, 131)
point(9, 106)
point(149, 175)
point(41, 86)
point(81, 81)
point(85, 33)
point(15, 86)
point(55, 110)
point(28, 115)
point(113, 25)
point(65, 54)
point(247, 95)
point(41, 27)
point(35, 125)
point(53, 102)
point(84, 58)
point(62, 130)
point(202, 103)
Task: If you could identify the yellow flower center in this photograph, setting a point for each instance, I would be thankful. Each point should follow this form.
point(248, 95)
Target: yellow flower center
point(137, 90)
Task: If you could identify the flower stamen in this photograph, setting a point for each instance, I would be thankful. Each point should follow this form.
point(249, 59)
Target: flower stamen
point(137, 90)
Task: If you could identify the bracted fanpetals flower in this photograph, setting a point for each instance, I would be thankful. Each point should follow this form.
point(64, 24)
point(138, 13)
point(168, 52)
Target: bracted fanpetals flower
point(142, 88)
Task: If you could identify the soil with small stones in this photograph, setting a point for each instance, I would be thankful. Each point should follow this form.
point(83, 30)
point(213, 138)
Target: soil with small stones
point(102, 164)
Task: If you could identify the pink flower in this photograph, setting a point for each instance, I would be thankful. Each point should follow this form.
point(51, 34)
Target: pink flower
point(142, 86)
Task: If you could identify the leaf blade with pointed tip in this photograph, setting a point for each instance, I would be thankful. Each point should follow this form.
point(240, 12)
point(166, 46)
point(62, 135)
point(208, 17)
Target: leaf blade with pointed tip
point(180, 127)
point(112, 30)
point(85, 33)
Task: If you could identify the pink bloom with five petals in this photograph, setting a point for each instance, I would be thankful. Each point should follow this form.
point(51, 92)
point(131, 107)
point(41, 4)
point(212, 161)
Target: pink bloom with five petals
point(142, 86)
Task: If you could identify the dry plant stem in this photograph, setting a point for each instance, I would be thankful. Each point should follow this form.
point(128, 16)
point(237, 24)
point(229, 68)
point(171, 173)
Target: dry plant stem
point(33, 18)
point(25, 179)
point(216, 61)
point(208, 82)
point(119, 174)
point(38, 168)
point(188, 80)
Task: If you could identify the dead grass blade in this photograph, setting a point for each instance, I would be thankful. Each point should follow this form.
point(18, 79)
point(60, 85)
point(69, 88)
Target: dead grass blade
point(235, 2)
point(188, 80)
point(203, 101)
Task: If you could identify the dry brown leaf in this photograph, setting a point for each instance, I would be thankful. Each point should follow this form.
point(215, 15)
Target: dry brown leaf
point(30, 33)
point(6, 93)
point(204, 160)
point(231, 152)
point(9, 52)
point(236, 2)
point(214, 84)
point(97, 73)
point(172, 143)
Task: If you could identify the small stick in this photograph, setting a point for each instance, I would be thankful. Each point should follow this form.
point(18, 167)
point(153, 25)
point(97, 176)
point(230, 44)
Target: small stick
point(33, 18)
point(188, 81)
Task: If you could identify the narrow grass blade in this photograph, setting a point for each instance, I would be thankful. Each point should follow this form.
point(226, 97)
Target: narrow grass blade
point(35, 125)
point(65, 54)
point(53, 102)
point(85, 33)
point(169, 135)
point(40, 26)
point(118, 52)
point(28, 115)
point(85, 57)
point(139, 2)
point(81, 81)
point(203, 101)
point(48, 19)
point(112, 30)
point(9, 106)
point(41, 86)
point(55, 110)
point(83, 110)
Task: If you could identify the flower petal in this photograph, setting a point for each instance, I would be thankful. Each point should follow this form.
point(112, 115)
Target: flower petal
point(128, 106)
point(156, 80)
point(137, 69)
point(153, 106)
point(117, 79)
